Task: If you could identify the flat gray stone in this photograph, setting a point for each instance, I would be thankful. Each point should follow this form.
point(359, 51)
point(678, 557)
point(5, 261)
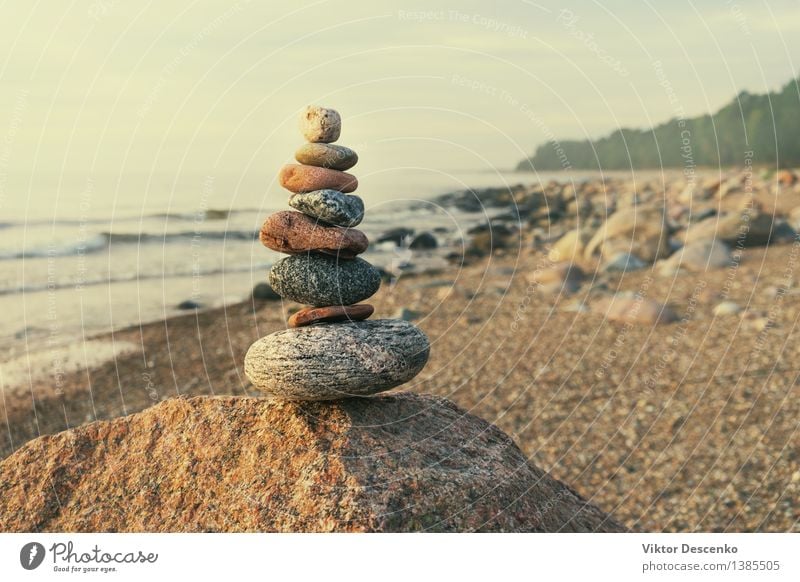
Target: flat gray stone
point(337, 360)
point(623, 262)
point(326, 155)
point(330, 206)
point(322, 281)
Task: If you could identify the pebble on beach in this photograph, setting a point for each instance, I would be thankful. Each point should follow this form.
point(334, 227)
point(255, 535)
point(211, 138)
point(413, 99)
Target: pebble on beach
point(297, 178)
point(293, 233)
point(405, 314)
point(330, 314)
point(622, 263)
point(330, 206)
point(324, 155)
point(726, 308)
point(424, 241)
point(320, 125)
point(321, 281)
point(630, 309)
point(698, 256)
point(327, 362)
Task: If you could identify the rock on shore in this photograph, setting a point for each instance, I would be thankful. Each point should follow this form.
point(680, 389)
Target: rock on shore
point(396, 463)
point(296, 233)
point(326, 362)
point(321, 281)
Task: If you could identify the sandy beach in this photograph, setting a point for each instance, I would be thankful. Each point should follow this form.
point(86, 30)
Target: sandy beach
point(682, 426)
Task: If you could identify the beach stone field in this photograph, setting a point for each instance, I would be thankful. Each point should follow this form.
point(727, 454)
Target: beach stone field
point(636, 339)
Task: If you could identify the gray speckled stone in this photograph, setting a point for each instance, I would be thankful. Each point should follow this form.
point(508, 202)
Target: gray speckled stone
point(330, 206)
point(337, 360)
point(321, 281)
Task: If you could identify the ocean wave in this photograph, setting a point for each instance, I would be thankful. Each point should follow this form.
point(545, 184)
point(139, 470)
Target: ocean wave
point(90, 245)
point(189, 235)
point(73, 284)
point(199, 217)
point(203, 215)
point(104, 240)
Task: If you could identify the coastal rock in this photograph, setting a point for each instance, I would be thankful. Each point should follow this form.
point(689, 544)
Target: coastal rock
point(294, 233)
point(639, 231)
point(321, 281)
point(496, 228)
point(330, 314)
point(749, 228)
point(478, 200)
point(631, 309)
point(405, 314)
point(487, 240)
point(786, 178)
point(698, 256)
point(297, 178)
point(570, 246)
point(264, 292)
point(330, 206)
point(395, 463)
point(320, 125)
point(423, 241)
point(622, 263)
point(189, 304)
point(323, 155)
point(562, 278)
point(396, 235)
point(328, 362)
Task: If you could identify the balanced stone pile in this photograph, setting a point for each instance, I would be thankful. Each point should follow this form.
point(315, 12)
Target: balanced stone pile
point(328, 350)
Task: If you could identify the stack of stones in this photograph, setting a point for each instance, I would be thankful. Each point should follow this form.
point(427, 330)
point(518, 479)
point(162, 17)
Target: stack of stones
point(328, 351)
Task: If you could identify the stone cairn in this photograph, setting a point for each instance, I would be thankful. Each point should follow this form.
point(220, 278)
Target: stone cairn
point(328, 351)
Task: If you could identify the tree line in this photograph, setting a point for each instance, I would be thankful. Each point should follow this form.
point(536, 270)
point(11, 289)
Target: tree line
point(762, 127)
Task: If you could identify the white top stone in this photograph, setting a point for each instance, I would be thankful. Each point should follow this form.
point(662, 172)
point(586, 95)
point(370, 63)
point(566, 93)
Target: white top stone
point(320, 125)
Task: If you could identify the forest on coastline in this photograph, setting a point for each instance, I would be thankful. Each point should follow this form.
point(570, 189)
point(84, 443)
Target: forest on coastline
point(761, 127)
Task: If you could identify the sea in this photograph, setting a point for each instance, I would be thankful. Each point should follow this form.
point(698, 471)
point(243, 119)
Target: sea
point(67, 275)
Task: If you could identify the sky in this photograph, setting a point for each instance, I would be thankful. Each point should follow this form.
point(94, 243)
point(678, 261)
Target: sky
point(112, 100)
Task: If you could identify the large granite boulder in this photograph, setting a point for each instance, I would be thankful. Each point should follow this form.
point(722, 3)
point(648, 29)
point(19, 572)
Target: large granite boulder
point(402, 462)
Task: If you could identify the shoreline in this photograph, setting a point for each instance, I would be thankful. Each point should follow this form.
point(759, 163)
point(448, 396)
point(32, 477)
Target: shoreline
point(682, 425)
point(235, 260)
point(478, 361)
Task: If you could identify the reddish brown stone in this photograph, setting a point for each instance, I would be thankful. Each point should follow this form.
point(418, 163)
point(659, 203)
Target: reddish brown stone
point(311, 315)
point(293, 233)
point(405, 462)
point(787, 177)
point(297, 179)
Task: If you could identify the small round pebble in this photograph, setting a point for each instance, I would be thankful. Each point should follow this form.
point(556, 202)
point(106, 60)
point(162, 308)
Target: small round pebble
point(330, 206)
point(727, 308)
point(320, 125)
point(330, 314)
point(328, 362)
point(324, 155)
point(293, 232)
point(297, 178)
point(320, 280)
